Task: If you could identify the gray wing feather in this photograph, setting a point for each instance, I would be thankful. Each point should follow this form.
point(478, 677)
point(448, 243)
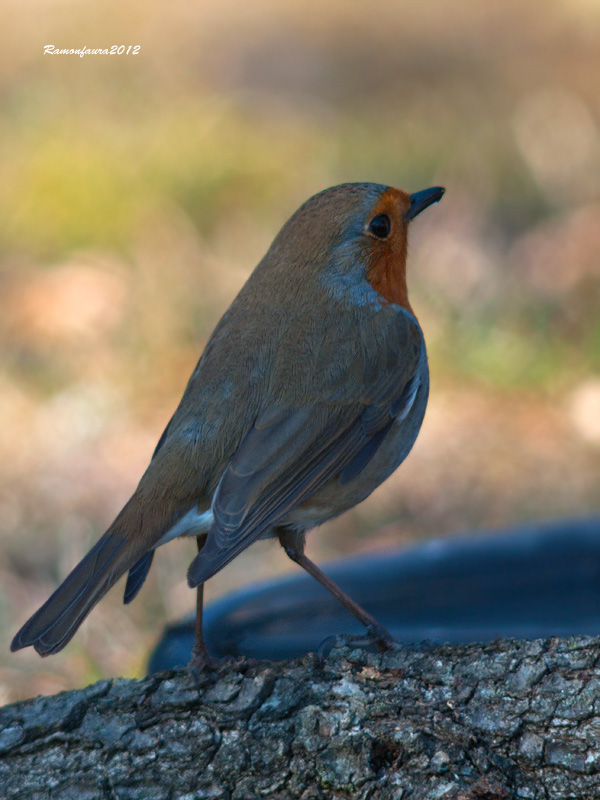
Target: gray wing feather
point(289, 454)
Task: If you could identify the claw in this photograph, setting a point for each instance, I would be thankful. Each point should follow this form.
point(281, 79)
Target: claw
point(374, 636)
point(326, 647)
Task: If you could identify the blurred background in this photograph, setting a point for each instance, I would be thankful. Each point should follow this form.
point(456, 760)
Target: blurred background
point(138, 192)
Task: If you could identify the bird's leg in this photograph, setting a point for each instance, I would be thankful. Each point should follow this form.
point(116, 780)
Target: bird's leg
point(200, 655)
point(293, 544)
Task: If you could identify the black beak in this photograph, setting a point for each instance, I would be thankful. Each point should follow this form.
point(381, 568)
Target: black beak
point(419, 201)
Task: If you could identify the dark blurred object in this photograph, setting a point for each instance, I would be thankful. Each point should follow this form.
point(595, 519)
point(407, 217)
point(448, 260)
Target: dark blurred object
point(532, 582)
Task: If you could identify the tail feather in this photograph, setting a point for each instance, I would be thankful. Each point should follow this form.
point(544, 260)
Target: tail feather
point(127, 544)
point(55, 623)
point(139, 572)
point(137, 575)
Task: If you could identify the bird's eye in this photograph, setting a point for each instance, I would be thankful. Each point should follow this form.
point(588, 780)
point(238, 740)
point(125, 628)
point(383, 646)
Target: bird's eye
point(380, 226)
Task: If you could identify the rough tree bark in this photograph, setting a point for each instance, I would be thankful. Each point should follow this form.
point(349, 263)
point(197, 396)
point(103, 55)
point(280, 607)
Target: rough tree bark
point(491, 722)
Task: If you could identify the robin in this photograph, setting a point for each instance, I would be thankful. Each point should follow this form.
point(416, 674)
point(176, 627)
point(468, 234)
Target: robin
point(311, 391)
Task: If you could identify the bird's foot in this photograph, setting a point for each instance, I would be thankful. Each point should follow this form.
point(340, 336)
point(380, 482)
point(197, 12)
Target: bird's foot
point(374, 636)
point(199, 664)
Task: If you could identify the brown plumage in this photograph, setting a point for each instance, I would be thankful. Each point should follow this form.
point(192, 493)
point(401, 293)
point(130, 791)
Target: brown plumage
point(310, 392)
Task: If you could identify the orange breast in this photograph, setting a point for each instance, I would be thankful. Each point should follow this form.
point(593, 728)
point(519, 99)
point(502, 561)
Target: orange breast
point(386, 270)
point(387, 275)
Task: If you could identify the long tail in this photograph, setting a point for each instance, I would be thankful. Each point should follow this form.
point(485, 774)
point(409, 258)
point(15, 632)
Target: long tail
point(127, 542)
point(55, 623)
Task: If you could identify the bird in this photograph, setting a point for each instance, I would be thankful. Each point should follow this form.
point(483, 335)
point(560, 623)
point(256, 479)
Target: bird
point(310, 392)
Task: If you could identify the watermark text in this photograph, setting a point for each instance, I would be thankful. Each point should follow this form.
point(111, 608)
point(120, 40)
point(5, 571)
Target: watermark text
point(115, 50)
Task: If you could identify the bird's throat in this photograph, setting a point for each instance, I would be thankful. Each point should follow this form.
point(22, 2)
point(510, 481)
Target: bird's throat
point(387, 275)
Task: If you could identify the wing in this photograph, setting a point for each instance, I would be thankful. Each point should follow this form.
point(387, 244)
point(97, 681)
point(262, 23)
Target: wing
point(291, 452)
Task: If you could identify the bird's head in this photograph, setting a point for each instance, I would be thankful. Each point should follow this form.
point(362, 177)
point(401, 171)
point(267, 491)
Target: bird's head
point(353, 239)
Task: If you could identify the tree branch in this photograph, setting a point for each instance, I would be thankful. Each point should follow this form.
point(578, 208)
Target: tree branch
point(479, 722)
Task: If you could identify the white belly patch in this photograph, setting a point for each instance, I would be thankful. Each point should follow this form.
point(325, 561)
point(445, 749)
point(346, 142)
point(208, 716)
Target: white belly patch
point(193, 523)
